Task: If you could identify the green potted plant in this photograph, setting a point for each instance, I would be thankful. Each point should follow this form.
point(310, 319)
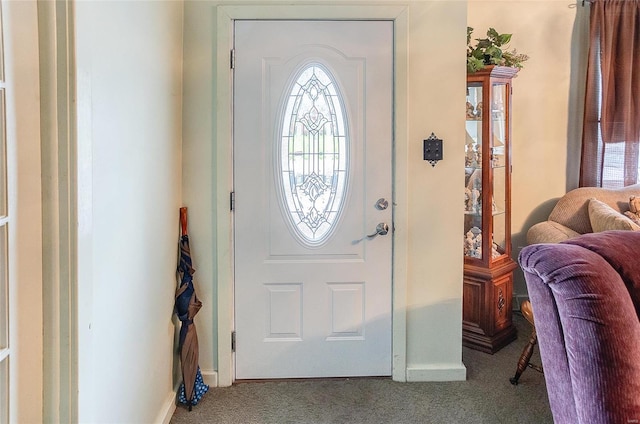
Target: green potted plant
point(492, 51)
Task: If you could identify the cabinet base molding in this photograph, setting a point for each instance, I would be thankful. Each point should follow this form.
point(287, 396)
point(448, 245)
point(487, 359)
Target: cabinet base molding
point(471, 338)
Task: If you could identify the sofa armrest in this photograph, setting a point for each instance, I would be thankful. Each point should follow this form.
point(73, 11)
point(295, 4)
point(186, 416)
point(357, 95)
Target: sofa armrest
point(549, 232)
point(588, 334)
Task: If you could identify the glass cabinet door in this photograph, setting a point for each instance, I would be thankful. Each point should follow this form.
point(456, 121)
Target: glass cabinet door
point(473, 173)
point(498, 163)
point(485, 208)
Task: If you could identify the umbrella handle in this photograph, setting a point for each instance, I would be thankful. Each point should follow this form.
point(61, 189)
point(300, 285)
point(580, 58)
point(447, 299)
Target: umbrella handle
point(183, 221)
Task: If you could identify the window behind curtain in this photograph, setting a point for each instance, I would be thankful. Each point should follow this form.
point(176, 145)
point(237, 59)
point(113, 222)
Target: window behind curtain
point(611, 134)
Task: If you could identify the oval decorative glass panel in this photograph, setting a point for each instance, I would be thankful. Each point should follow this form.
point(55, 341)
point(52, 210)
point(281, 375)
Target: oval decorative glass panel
point(314, 156)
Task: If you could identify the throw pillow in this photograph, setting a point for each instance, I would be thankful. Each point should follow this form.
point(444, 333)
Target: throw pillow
point(634, 209)
point(603, 218)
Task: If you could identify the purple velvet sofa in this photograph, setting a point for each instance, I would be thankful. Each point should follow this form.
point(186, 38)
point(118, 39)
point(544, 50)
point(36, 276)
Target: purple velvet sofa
point(585, 294)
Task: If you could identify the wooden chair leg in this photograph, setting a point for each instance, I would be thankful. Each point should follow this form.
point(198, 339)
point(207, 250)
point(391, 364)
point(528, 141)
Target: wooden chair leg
point(525, 357)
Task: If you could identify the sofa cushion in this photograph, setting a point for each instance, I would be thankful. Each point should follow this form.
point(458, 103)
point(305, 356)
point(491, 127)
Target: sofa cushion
point(549, 232)
point(604, 218)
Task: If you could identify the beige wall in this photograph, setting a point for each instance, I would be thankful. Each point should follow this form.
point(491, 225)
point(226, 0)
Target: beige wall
point(129, 90)
point(547, 97)
point(22, 132)
point(428, 254)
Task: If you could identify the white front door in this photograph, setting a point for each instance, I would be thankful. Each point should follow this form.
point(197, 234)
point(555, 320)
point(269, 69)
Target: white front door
point(312, 182)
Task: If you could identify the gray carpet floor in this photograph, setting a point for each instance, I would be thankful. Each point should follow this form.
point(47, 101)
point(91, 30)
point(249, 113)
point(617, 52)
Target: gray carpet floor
point(485, 397)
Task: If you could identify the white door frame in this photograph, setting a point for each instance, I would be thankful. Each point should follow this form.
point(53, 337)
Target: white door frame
point(223, 136)
point(66, 186)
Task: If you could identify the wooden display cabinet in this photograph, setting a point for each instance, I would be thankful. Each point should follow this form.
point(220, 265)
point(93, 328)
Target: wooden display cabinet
point(488, 268)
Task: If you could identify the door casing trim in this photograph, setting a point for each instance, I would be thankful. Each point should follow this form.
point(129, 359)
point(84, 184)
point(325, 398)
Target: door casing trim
point(225, 16)
point(63, 186)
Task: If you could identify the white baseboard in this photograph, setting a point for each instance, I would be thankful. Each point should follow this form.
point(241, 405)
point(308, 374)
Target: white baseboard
point(168, 408)
point(517, 301)
point(210, 377)
point(443, 372)
point(169, 405)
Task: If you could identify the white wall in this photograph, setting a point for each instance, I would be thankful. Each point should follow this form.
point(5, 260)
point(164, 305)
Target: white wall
point(428, 262)
point(548, 97)
point(198, 169)
point(129, 88)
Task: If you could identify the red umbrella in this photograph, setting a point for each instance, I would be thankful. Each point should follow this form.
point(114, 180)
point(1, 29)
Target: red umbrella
point(187, 306)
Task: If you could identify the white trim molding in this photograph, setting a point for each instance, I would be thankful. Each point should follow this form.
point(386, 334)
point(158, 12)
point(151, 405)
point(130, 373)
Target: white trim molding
point(59, 173)
point(440, 372)
point(210, 377)
point(168, 408)
point(170, 403)
point(518, 299)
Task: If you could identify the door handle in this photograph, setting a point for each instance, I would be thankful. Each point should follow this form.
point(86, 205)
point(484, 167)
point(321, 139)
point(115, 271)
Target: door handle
point(381, 230)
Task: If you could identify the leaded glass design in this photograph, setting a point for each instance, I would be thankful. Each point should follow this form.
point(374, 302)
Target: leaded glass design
point(314, 154)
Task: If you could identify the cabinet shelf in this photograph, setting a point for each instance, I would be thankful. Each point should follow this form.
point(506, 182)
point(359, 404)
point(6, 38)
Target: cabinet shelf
point(479, 214)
